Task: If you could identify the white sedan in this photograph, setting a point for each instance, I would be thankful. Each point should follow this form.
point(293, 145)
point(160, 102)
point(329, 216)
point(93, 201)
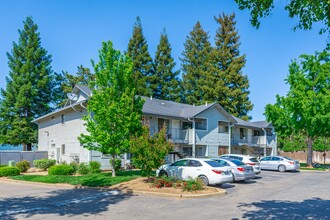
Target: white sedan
point(209, 171)
point(279, 163)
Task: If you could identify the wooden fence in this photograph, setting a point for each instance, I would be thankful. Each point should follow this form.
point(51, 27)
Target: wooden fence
point(17, 156)
point(302, 156)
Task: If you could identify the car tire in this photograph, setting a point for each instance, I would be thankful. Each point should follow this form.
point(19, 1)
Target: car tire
point(282, 168)
point(204, 179)
point(162, 173)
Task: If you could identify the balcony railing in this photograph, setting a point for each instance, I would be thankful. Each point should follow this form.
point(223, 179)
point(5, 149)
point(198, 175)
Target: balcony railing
point(257, 141)
point(175, 135)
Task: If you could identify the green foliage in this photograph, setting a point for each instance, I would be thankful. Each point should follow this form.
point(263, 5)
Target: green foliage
point(225, 82)
point(165, 83)
point(83, 168)
point(23, 165)
point(74, 166)
point(30, 88)
point(193, 185)
point(142, 62)
point(305, 109)
point(9, 171)
point(61, 169)
point(114, 110)
point(117, 164)
point(297, 142)
point(44, 164)
point(307, 12)
point(2, 165)
point(194, 64)
point(188, 185)
point(94, 167)
point(149, 152)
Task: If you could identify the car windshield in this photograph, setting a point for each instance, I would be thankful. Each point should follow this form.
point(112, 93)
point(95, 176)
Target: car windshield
point(253, 159)
point(213, 163)
point(237, 162)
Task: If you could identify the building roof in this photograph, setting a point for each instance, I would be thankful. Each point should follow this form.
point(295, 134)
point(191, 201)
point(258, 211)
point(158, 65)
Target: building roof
point(257, 124)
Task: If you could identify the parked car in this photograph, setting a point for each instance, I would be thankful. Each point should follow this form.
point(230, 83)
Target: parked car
point(239, 170)
point(209, 171)
point(249, 160)
point(279, 163)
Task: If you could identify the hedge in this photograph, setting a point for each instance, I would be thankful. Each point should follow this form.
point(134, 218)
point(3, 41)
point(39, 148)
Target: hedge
point(61, 169)
point(9, 171)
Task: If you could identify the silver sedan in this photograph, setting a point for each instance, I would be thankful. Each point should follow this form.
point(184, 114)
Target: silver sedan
point(279, 163)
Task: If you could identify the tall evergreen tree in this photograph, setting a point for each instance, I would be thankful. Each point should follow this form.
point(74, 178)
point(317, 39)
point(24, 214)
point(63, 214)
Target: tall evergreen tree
point(166, 82)
point(28, 93)
point(230, 86)
point(142, 62)
point(194, 64)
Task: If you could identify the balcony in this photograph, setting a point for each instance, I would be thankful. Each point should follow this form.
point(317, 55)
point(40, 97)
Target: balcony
point(174, 135)
point(253, 141)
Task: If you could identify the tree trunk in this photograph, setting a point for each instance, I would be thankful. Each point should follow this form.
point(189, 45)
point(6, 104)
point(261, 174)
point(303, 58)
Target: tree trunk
point(310, 152)
point(29, 147)
point(113, 159)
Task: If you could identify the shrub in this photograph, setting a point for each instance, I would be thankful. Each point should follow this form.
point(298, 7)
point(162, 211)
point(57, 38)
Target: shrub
point(2, 165)
point(117, 164)
point(9, 171)
point(24, 165)
point(74, 166)
point(193, 185)
point(61, 169)
point(83, 168)
point(44, 164)
point(94, 167)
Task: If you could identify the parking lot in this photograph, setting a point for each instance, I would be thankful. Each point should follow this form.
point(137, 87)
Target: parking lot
point(273, 195)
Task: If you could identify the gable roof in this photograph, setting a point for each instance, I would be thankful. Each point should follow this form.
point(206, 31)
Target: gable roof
point(257, 124)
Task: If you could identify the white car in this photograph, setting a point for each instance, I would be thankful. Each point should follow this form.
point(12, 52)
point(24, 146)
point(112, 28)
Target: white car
point(279, 163)
point(248, 160)
point(209, 171)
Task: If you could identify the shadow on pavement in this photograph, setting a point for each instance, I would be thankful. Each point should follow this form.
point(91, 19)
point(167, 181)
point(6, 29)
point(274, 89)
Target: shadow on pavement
point(64, 202)
point(314, 208)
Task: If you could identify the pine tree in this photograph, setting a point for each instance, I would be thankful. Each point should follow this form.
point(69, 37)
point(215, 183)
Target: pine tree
point(28, 93)
point(142, 62)
point(225, 75)
point(166, 84)
point(194, 64)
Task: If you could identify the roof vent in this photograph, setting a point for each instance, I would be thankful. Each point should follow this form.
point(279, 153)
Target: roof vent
point(194, 105)
point(205, 103)
point(150, 97)
point(163, 103)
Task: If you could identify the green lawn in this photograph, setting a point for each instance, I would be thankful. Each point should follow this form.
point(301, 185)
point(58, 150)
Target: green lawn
point(303, 166)
point(101, 179)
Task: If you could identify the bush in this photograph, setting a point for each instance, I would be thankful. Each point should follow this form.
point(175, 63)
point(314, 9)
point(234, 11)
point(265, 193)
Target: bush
point(83, 168)
point(61, 169)
point(44, 164)
point(2, 165)
point(74, 166)
point(193, 185)
point(24, 165)
point(94, 167)
point(117, 164)
point(188, 185)
point(9, 171)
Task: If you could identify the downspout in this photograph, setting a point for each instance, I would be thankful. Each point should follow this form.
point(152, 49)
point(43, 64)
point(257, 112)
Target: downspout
point(275, 147)
point(265, 135)
point(229, 137)
point(193, 138)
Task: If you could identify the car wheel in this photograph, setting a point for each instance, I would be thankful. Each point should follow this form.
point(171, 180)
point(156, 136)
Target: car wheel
point(163, 173)
point(204, 179)
point(281, 168)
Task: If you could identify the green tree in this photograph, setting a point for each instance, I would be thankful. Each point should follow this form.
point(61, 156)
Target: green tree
point(29, 90)
point(305, 109)
point(225, 82)
point(149, 152)
point(307, 12)
point(194, 64)
point(114, 110)
point(166, 84)
point(142, 62)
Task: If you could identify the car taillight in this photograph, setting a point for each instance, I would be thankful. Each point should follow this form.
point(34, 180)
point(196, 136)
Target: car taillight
point(240, 169)
point(291, 162)
point(217, 171)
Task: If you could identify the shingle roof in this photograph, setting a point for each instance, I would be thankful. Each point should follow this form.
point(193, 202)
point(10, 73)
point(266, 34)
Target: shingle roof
point(84, 89)
point(257, 124)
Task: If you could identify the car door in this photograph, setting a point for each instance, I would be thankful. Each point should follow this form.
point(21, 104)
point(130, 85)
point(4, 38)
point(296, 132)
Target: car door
point(274, 163)
point(176, 169)
point(193, 169)
point(265, 163)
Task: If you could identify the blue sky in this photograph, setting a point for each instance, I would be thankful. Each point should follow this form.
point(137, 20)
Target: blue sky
point(72, 32)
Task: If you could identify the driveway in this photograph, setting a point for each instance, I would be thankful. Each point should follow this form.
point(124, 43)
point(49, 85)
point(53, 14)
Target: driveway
point(273, 195)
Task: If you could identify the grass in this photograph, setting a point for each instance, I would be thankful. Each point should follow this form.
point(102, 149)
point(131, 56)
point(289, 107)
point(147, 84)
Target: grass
point(322, 167)
point(100, 179)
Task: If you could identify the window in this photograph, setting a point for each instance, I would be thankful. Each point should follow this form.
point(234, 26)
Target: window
point(180, 163)
point(186, 125)
point(242, 133)
point(163, 122)
point(200, 124)
point(62, 118)
point(63, 149)
point(256, 133)
point(269, 132)
point(194, 163)
point(223, 127)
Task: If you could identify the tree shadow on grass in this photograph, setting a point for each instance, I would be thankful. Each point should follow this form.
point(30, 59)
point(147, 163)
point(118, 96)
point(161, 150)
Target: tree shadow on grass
point(64, 202)
point(314, 208)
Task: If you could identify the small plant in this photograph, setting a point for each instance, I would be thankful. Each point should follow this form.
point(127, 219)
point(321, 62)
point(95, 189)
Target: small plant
point(44, 164)
point(9, 171)
point(83, 168)
point(193, 185)
point(61, 169)
point(74, 166)
point(94, 167)
point(23, 165)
